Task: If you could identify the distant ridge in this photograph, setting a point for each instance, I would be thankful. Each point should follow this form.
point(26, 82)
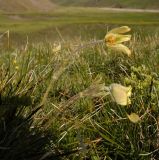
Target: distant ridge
point(26, 5)
point(50, 5)
point(138, 4)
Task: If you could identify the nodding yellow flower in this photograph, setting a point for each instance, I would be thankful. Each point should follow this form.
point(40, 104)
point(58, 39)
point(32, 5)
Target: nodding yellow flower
point(133, 117)
point(114, 39)
point(56, 48)
point(120, 94)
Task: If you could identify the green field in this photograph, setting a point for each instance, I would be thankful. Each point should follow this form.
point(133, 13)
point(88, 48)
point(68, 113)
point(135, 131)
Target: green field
point(72, 22)
point(54, 105)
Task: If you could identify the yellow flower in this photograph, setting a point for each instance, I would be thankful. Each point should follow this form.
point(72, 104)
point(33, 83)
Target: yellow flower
point(120, 94)
point(115, 37)
point(133, 117)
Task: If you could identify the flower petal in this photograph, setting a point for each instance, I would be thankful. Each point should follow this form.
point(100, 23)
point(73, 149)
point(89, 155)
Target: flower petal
point(120, 30)
point(122, 38)
point(119, 94)
point(133, 117)
point(120, 48)
point(112, 38)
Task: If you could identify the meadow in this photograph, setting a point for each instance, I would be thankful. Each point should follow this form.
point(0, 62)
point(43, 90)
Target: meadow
point(53, 101)
point(72, 23)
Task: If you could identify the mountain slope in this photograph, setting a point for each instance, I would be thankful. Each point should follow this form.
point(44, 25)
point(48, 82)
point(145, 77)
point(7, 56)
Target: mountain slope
point(50, 5)
point(26, 5)
point(143, 4)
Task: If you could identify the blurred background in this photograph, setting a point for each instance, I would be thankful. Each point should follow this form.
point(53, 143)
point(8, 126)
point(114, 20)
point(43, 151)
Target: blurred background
point(53, 20)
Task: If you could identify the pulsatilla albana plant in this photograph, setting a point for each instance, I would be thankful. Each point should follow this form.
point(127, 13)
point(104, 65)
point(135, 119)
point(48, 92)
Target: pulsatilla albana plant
point(115, 37)
point(120, 94)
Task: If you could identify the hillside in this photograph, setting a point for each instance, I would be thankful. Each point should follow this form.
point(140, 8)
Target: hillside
point(50, 5)
point(26, 5)
point(143, 4)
